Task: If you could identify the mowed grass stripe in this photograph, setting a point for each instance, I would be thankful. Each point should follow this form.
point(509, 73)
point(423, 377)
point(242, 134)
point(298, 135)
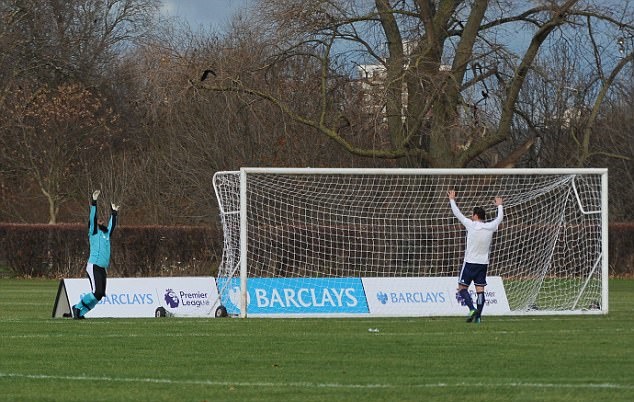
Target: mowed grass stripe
point(322, 334)
point(314, 385)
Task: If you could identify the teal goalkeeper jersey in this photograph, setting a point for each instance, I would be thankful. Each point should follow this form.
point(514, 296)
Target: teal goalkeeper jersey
point(100, 240)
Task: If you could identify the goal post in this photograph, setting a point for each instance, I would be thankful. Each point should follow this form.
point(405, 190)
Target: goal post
point(331, 242)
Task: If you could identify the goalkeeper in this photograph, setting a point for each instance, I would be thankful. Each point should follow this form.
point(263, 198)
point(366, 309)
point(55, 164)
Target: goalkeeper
point(99, 236)
point(476, 259)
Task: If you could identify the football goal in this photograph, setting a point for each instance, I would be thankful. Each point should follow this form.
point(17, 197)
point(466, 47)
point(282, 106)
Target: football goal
point(313, 240)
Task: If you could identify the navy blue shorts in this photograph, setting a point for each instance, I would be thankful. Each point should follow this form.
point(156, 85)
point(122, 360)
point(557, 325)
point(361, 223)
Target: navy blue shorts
point(476, 273)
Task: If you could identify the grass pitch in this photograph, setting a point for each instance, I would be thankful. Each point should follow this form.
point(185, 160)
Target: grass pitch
point(532, 358)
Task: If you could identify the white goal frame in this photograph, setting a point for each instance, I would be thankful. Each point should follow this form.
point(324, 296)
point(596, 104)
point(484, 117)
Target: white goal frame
point(241, 216)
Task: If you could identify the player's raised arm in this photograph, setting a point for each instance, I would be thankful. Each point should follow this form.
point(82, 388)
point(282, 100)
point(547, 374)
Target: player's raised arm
point(92, 219)
point(454, 208)
point(500, 214)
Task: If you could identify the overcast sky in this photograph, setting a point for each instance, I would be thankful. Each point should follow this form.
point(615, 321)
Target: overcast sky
point(203, 12)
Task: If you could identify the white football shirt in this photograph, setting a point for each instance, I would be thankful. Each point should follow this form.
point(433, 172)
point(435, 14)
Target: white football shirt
point(479, 235)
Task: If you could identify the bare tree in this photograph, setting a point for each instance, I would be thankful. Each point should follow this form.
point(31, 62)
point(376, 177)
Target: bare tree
point(615, 128)
point(190, 133)
point(449, 72)
point(52, 134)
point(55, 55)
point(76, 39)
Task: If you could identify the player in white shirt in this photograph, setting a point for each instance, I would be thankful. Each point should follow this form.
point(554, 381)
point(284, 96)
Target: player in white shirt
point(476, 258)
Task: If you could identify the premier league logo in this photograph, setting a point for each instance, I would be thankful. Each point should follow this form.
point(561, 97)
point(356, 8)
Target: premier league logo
point(171, 298)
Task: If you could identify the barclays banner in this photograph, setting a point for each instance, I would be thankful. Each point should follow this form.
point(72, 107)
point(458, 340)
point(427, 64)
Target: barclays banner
point(296, 296)
point(434, 296)
point(140, 297)
point(379, 297)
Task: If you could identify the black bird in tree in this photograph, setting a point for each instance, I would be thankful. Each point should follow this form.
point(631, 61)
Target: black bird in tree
point(206, 74)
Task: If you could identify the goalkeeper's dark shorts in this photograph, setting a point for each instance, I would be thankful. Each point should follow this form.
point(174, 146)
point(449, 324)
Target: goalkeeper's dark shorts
point(476, 273)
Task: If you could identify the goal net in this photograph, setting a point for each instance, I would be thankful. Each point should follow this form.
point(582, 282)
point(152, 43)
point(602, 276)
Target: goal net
point(321, 225)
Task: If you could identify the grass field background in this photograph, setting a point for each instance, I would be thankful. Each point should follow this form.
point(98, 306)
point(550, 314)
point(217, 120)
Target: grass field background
point(527, 358)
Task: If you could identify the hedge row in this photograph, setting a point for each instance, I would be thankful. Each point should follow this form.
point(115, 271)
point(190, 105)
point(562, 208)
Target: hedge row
point(61, 251)
point(621, 249)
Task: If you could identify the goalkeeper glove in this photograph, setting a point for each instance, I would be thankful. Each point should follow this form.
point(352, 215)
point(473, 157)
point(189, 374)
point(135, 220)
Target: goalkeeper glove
point(95, 195)
point(114, 207)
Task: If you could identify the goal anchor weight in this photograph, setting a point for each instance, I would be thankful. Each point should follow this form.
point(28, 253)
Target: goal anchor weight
point(221, 312)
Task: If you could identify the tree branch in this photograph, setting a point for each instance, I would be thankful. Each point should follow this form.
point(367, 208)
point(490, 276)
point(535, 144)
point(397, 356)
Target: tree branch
point(516, 84)
point(329, 132)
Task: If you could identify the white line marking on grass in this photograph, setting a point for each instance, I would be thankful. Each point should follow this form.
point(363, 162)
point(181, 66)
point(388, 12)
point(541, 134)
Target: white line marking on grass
point(385, 333)
point(314, 385)
point(126, 335)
